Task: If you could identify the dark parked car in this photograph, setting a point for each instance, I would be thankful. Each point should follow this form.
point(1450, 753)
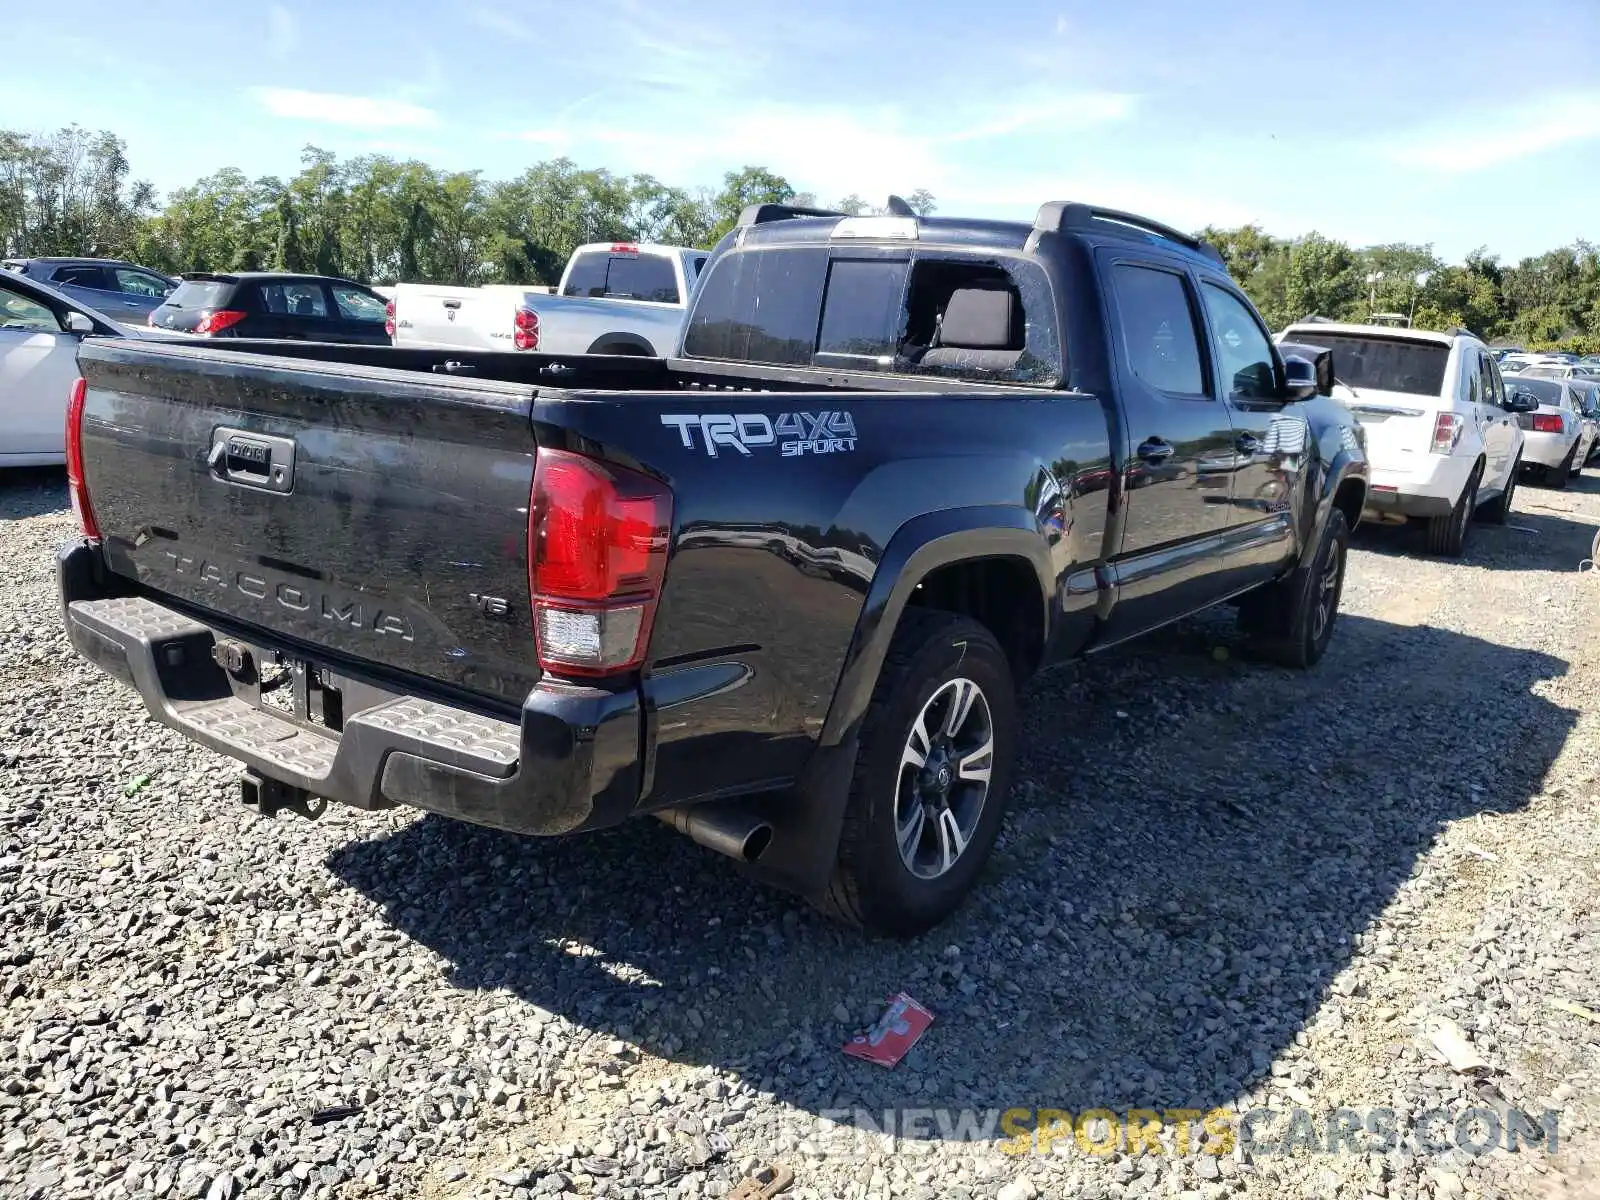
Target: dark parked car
point(248, 304)
point(779, 590)
point(121, 290)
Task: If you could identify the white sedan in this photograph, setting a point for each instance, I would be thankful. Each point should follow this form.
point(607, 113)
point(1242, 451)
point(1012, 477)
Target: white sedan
point(39, 334)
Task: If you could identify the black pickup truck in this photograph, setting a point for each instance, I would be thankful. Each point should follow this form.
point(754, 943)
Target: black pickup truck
point(778, 590)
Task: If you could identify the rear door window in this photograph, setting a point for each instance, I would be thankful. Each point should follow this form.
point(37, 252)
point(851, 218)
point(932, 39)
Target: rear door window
point(84, 277)
point(1158, 329)
point(299, 299)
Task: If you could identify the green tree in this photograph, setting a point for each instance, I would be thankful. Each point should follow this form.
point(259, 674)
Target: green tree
point(742, 188)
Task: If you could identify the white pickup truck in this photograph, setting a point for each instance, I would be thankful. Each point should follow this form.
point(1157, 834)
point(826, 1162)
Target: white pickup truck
point(614, 298)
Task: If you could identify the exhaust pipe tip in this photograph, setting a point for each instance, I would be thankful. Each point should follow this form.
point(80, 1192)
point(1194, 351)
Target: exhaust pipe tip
point(728, 830)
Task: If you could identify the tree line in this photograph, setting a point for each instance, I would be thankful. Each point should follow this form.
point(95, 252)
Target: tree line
point(380, 220)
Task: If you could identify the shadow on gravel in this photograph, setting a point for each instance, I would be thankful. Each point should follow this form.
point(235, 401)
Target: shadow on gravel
point(32, 491)
point(1196, 843)
point(1538, 537)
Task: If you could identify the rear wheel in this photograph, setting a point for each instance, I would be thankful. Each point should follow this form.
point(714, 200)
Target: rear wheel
point(1447, 535)
point(1557, 477)
point(931, 778)
point(1498, 510)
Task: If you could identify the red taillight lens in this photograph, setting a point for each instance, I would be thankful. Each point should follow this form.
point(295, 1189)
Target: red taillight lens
point(216, 322)
point(1547, 422)
point(597, 553)
point(76, 487)
point(1446, 433)
point(525, 329)
point(388, 318)
point(624, 248)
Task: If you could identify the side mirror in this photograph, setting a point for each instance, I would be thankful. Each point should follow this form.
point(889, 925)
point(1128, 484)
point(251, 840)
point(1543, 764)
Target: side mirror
point(1520, 401)
point(78, 322)
point(1299, 379)
point(1319, 357)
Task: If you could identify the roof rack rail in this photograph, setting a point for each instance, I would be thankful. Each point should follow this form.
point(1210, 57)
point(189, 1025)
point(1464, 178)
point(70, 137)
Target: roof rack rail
point(1056, 216)
point(760, 214)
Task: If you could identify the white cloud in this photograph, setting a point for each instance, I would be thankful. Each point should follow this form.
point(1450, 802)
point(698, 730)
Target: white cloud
point(332, 108)
point(1494, 139)
point(832, 151)
point(283, 31)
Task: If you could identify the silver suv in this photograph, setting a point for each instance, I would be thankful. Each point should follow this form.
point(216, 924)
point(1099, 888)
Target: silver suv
point(118, 289)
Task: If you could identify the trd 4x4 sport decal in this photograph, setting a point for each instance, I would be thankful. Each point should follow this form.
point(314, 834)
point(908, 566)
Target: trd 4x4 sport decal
point(794, 434)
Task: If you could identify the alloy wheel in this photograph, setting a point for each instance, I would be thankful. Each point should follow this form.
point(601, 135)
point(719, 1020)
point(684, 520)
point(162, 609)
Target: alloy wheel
point(943, 781)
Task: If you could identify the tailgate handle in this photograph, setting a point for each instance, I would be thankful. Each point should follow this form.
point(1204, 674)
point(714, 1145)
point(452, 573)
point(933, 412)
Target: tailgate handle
point(452, 304)
point(254, 460)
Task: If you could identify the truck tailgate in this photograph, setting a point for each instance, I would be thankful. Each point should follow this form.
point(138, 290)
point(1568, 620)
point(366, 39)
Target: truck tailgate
point(375, 514)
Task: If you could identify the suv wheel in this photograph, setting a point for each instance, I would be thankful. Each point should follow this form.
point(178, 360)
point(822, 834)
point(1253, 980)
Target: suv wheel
point(1447, 535)
point(931, 777)
point(1291, 621)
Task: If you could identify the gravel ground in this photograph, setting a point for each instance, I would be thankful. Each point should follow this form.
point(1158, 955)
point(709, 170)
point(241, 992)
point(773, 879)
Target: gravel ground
point(1222, 886)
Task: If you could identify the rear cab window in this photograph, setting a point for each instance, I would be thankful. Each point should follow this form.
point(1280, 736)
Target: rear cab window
point(623, 275)
point(863, 308)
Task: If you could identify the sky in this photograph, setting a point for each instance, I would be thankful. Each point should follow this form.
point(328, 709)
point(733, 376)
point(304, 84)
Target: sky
point(1460, 124)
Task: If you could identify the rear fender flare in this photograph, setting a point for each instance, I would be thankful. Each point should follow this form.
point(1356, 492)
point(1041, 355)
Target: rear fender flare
point(920, 547)
point(633, 341)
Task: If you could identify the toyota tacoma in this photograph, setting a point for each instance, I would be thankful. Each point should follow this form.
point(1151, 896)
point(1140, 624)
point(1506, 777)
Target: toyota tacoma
point(778, 589)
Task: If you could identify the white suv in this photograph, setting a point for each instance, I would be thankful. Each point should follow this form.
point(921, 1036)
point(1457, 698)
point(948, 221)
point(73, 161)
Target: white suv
point(1441, 432)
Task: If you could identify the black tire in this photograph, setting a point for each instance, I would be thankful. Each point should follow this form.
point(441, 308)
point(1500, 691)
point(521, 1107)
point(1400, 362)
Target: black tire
point(873, 885)
point(1498, 510)
point(1558, 477)
point(1291, 621)
point(1447, 535)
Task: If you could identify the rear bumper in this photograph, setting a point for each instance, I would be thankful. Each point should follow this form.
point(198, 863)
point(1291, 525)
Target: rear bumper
point(1546, 449)
point(570, 762)
point(1428, 488)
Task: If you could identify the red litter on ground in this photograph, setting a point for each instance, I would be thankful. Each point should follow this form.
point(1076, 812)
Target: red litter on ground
point(888, 1041)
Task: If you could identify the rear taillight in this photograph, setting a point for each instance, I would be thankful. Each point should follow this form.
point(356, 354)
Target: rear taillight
point(216, 322)
point(597, 553)
point(388, 318)
point(76, 486)
point(1446, 433)
point(1547, 423)
point(525, 329)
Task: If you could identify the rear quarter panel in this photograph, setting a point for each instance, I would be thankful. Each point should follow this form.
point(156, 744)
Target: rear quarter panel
point(776, 545)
